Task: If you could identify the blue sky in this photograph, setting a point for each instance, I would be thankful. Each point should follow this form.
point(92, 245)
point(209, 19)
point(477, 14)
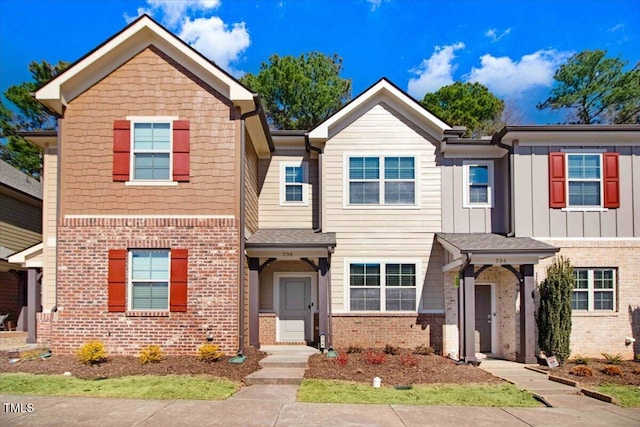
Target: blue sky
point(513, 47)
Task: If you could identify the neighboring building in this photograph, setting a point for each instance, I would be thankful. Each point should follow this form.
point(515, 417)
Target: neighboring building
point(182, 218)
point(20, 231)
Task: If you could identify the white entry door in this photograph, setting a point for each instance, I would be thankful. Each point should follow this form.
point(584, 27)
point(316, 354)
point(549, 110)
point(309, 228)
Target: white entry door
point(295, 309)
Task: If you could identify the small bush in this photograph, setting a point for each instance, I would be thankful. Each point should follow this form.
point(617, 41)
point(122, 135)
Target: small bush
point(612, 370)
point(424, 350)
point(92, 353)
point(636, 371)
point(409, 360)
point(354, 348)
point(209, 353)
point(392, 350)
point(150, 354)
point(342, 359)
point(612, 359)
point(581, 360)
point(33, 354)
point(581, 371)
point(375, 357)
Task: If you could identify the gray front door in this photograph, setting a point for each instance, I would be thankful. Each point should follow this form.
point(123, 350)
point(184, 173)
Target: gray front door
point(295, 309)
point(483, 319)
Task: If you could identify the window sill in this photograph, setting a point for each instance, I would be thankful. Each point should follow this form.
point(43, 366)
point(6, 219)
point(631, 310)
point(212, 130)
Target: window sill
point(151, 183)
point(147, 313)
point(378, 314)
point(598, 313)
point(477, 206)
point(585, 209)
point(382, 207)
point(293, 204)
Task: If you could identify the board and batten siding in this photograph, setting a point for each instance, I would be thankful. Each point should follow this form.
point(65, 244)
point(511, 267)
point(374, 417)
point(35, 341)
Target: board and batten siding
point(534, 218)
point(272, 213)
point(377, 232)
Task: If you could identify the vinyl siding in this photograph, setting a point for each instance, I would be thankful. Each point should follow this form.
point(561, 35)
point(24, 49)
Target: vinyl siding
point(49, 231)
point(20, 222)
point(251, 186)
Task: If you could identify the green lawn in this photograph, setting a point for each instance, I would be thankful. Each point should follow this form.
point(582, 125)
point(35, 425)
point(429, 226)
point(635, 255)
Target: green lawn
point(322, 391)
point(626, 395)
point(136, 387)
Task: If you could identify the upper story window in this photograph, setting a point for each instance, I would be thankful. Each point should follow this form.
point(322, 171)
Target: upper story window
point(392, 184)
point(594, 289)
point(149, 283)
point(584, 179)
point(382, 287)
point(151, 151)
point(478, 184)
point(293, 183)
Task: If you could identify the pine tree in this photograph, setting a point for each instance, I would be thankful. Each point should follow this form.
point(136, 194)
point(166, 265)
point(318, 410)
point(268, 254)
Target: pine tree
point(554, 313)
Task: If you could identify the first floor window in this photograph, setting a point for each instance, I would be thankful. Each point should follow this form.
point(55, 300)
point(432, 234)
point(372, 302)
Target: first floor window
point(382, 287)
point(149, 279)
point(594, 289)
point(151, 151)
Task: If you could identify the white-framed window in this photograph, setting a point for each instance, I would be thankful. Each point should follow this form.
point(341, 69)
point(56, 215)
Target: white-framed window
point(294, 189)
point(478, 184)
point(384, 286)
point(149, 279)
point(151, 149)
point(584, 179)
point(594, 289)
point(381, 180)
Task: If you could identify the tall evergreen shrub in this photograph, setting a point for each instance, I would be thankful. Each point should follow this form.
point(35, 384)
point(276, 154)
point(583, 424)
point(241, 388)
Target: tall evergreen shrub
point(554, 313)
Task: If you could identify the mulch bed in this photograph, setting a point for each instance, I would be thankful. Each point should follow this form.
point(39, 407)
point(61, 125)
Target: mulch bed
point(630, 373)
point(396, 370)
point(119, 366)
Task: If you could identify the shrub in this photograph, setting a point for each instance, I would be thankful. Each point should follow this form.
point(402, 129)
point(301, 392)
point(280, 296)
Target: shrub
point(612, 371)
point(554, 314)
point(582, 371)
point(612, 359)
point(581, 360)
point(375, 357)
point(636, 371)
point(209, 353)
point(423, 350)
point(342, 359)
point(150, 354)
point(354, 348)
point(409, 360)
point(91, 353)
point(392, 350)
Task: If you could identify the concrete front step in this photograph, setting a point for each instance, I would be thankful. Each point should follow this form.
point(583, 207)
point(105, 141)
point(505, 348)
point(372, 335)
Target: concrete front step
point(289, 350)
point(285, 361)
point(271, 375)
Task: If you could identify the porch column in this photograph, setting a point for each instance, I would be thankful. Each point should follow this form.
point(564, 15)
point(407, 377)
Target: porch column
point(527, 318)
point(323, 306)
point(254, 302)
point(469, 309)
point(33, 292)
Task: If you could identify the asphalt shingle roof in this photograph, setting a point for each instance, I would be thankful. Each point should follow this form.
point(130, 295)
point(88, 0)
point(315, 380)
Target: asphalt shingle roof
point(13, 178)
point(489, 242)
point(296, 237)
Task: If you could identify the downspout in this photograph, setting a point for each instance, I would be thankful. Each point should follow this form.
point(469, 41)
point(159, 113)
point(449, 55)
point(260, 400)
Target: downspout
point(243, 144)
point(309, 148)
point(509, 148)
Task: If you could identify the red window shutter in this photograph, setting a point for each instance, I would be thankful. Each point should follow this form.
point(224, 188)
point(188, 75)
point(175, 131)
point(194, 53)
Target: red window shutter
point(117, 279)
point(557, 181)
point(121, 149)
point(179, 265)
point(611, 180)
point(181, 150)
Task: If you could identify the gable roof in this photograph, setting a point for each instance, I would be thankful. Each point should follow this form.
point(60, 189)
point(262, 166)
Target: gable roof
point(382, 90)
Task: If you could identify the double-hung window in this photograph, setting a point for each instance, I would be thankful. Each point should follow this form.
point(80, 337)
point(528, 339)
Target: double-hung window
point(584, 179)
point(382, 180)
point(293, 183)
point(594, 289)
point(478, 184)
point(151, 151)
point(382, 287)
point(149, 283)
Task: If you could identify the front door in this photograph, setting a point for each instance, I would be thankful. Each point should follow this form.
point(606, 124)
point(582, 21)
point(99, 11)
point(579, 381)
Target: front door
point(483, 319)
point(295, 309)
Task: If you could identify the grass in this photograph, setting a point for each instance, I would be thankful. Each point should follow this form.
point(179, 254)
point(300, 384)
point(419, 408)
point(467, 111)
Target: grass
point(322, 391)
point(626, 395)
point(134, 387)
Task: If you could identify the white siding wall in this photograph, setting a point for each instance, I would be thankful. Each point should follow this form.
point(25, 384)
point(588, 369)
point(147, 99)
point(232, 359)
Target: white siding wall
point(381, 232)
point(49, 228)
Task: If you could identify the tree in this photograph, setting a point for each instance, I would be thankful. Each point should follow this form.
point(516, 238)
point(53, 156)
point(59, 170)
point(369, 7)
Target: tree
point(300, 92)
point(467, 104)
point(596, 89)
point(30, 115)
point(554, 314)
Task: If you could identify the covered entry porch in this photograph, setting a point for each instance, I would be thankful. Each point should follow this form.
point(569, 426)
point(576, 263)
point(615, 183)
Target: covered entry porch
point(494, 280)
point(289, 287)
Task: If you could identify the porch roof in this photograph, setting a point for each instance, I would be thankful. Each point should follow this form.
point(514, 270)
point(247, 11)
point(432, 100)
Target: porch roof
point(290, 237)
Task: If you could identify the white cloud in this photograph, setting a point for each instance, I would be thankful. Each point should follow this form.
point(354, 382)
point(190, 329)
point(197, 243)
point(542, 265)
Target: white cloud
point(375, 4)
point(616, 28)
point(139, 12)
point(435, 72)
point(504, 76)
point(493, 34)
point(216, 40)
point(173, 10)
